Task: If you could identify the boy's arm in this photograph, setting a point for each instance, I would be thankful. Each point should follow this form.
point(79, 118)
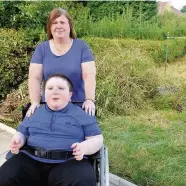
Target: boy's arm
point(23, 127)
point(90, 146)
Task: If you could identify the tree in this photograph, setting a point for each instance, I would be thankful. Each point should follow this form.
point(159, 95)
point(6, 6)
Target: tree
point(100, 9)
point(183, 9)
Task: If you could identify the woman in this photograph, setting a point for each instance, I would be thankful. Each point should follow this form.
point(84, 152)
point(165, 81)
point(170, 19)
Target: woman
point(63, 53)
point(59, 135)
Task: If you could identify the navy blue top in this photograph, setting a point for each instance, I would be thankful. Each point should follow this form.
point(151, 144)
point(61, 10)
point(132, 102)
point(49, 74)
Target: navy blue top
point(58, 130)
point(68, 64)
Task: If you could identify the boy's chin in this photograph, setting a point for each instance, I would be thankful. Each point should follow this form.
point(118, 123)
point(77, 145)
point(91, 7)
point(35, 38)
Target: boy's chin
point(57, 106)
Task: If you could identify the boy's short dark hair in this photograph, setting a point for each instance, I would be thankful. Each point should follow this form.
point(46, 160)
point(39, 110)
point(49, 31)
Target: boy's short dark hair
point(62, 76)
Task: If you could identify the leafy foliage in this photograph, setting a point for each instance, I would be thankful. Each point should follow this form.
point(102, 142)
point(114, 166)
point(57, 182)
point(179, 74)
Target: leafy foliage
point(34, 14)
point(25, 14)
point(125, 68)
point(15, 54)
point(110, 19)
point(101, 9)
point(183, 9)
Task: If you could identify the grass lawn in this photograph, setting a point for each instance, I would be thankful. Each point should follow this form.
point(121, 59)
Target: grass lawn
point(149, 148)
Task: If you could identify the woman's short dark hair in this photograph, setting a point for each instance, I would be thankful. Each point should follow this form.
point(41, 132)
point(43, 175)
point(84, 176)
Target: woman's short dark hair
point(62, 76)
point(54, 14)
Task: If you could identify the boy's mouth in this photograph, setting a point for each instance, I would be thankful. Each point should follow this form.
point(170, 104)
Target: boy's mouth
point(55, 99)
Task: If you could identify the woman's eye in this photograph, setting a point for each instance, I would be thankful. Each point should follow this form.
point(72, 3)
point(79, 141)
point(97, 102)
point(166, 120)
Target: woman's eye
point(54, 23)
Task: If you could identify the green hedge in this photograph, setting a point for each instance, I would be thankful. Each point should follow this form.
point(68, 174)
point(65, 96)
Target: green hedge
point(126, 72)
point(15, 52)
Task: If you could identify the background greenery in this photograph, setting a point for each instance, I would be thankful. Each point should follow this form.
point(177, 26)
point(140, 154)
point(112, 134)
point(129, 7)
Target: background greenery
point(140, 106)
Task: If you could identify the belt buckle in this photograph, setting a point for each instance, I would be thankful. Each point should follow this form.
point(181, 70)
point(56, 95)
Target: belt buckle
point(43, 153)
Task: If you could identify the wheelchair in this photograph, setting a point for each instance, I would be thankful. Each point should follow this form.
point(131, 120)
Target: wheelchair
point(99, 160)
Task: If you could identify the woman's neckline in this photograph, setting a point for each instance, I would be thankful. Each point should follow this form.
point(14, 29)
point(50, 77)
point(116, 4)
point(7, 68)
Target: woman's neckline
point(59, 55)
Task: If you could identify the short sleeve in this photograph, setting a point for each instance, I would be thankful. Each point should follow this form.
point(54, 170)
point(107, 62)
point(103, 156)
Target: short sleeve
point(22, 127)
point(91, 129)
point(87, 54)
point(37, 56)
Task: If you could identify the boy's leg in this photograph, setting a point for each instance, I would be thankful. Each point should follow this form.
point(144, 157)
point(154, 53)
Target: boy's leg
point(20, 170)
point(74, 173)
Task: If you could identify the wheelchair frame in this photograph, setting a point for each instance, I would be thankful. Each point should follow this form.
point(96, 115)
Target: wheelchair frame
point(99, 160)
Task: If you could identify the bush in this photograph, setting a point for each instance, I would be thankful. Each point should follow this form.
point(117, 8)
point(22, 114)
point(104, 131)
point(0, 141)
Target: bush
point(14, 59)
point(157, 49)
point(132, 19)
point(126, 73)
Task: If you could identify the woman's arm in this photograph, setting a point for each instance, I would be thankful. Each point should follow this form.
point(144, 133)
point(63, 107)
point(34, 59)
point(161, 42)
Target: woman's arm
point(89, 78)
point(34, 84)
point(90, 146)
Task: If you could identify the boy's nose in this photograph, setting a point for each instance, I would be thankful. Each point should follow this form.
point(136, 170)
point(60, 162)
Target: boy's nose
point(56, 91)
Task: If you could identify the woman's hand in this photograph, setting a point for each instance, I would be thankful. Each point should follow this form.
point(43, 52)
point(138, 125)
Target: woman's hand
point(78, 151)
point(32, 109)
point(89, 107)
point(16, 143)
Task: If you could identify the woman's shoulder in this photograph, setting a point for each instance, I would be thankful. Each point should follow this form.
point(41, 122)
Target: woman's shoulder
point(43, 44)
point(42, 48)
point(79, 42)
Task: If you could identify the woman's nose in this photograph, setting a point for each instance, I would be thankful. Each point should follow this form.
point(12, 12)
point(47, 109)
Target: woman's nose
point(58, 25)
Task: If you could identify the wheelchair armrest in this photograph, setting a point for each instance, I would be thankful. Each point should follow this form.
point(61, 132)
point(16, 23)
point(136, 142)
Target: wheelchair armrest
point(96, 155)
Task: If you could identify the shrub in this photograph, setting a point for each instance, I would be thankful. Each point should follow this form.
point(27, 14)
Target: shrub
point(14, 59)
point(126, 73)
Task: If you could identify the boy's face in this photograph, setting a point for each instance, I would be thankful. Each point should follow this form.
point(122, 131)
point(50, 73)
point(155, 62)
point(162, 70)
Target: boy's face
point(57, 93)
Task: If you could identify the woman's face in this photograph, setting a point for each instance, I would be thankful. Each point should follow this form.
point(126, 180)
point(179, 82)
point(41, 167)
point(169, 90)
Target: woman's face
point(60, 27)
point(57, 93)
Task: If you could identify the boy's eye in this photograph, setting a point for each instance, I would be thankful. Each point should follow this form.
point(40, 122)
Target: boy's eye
point(61, 88)
point(50, 88)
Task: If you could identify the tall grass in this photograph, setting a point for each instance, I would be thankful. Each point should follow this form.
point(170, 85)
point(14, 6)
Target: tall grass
point(126, 68)
point(125, 75)
point(129, 26)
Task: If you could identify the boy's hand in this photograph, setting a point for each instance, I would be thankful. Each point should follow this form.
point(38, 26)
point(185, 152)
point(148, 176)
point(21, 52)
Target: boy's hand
point(16, 143)
point(78, 151)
